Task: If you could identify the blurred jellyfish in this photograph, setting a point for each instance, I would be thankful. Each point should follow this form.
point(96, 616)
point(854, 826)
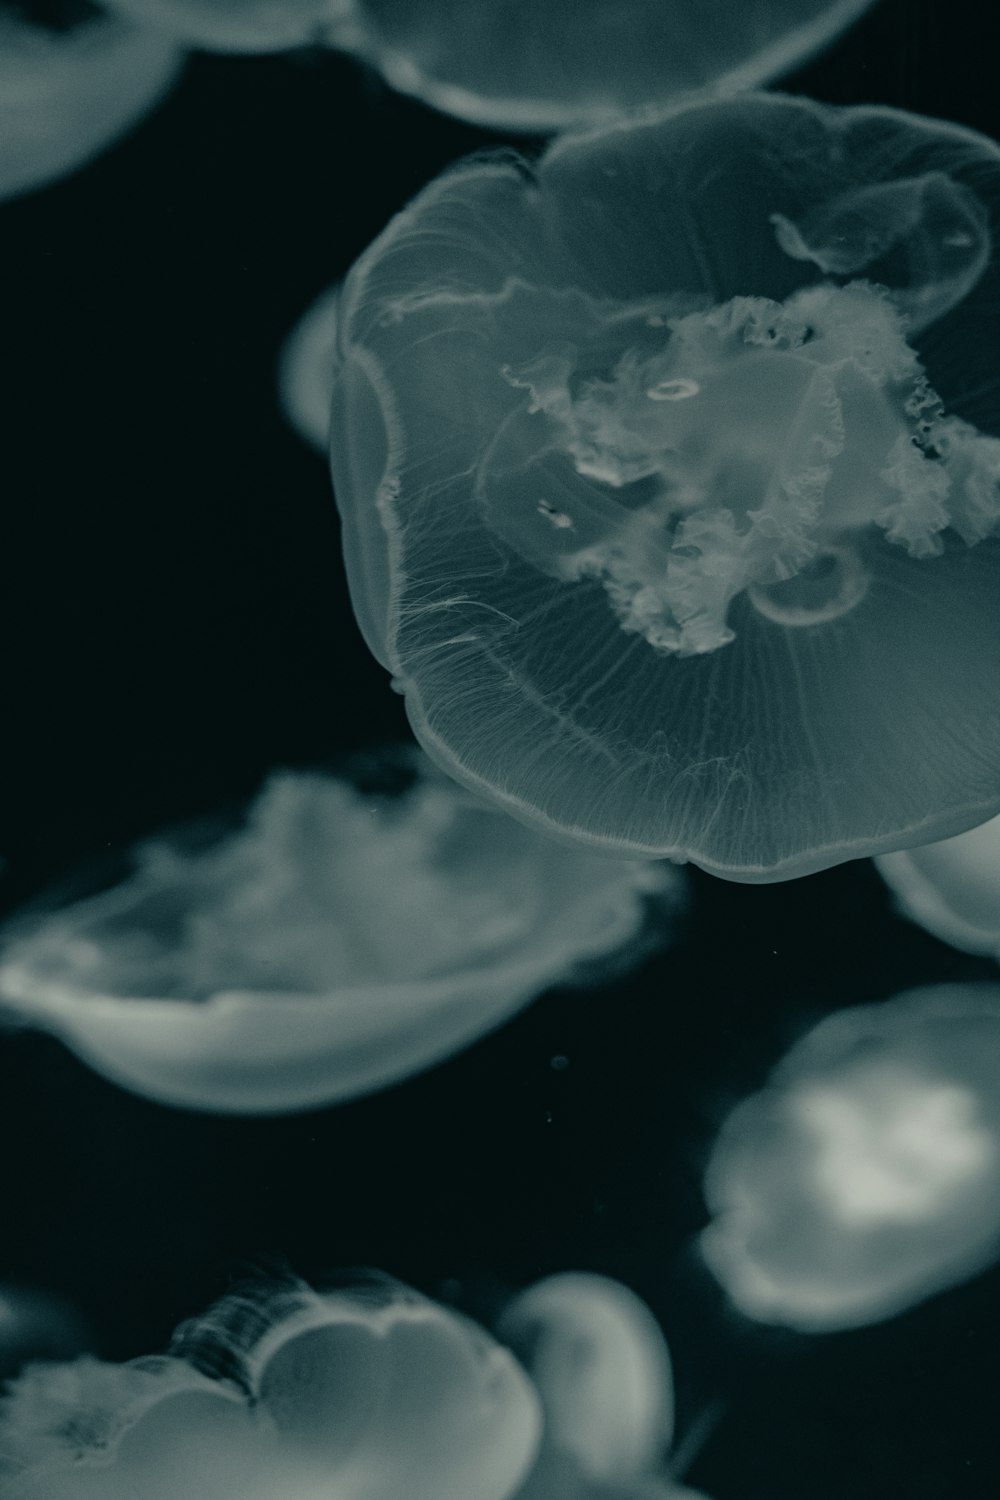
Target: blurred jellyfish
point(866, 1175)
point(36, 1325)
point(68, 92)
point(669, 485)
point(306, 370)
point(335, 943)
point(522, 65)
point(282, 1392)
point(238, 25)
point(952, 888)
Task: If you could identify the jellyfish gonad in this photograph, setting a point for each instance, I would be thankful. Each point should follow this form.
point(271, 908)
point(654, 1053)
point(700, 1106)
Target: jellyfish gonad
point(334, 943)
point(866, 1176)
point(68, 92)
point(670, 481)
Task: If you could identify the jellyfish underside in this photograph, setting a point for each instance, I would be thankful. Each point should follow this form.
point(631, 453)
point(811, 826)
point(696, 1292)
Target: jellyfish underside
point(867, 1177)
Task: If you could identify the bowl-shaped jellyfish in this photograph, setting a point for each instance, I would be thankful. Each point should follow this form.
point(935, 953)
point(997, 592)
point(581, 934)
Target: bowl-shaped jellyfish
point(306, 370)
point(866, 1176)
point(670, 485)
point(333, 944)
point(952, 887)
point(68, 93)
point(365, 1396)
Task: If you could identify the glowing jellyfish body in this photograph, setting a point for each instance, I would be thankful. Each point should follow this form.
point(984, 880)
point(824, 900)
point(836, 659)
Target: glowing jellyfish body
point(67, 94)
point(365, 1396)
point(306, 370)
point(952, 887)
point(336, 943)
point(866, 1176)
point(669, 485)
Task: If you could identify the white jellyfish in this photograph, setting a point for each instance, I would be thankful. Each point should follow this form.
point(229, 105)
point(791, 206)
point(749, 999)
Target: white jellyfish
point(366, 1395)
point(306, 370)
point(952, 887)
point(333, 944)
point(670, 481)
point(866, 1176)
point(67, 93)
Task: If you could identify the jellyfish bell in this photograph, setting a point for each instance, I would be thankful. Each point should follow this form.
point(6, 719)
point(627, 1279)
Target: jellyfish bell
point(866, 1176)
point(306, 370)
point(670, 478)
point(69, 92)
point(321, 1394)
point(336, 942)
point(952, 888)
point(518, 65)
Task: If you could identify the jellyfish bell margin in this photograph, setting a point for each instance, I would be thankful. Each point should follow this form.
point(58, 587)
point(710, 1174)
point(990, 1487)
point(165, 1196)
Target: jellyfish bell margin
point(673, 542)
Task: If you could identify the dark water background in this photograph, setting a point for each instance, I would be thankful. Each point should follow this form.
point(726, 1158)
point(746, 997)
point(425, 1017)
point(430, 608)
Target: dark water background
point(177, 624)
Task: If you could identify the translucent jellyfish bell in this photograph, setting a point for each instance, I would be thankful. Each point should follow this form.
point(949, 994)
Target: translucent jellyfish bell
point(334, 944)
point(67, 93)
point(866, 1175)
point(306, 370)
point(952, 887)
point(521, 65)
point(363, 1396)
point(670, 481)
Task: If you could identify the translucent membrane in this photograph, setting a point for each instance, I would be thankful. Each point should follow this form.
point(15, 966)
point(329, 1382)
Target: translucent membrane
point(67, 94)
point(282, 1392)
point(523, 64)
point(952, 887)
point(866, 1175)
point(670, 481)
point(335, 943)
point(306, 370)
point(238, 25)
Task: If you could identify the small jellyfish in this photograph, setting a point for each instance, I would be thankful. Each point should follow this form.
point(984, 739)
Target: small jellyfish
point(669, 469)
point(333, 944)
point(306, 370)
point(522, 65)
point(952, 887)
point(866, 1176)
point(240, 26)
point(281, 1391)
point(69, 91)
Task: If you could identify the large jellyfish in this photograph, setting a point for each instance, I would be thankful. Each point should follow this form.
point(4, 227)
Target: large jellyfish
point(952, 888)
point(670, 485)
point(336, 942)
point(525, 65)
point(282, 1392)
point(866, 1175)
point(67, 92)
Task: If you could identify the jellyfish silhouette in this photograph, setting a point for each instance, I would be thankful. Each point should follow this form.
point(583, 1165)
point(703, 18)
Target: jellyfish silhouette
point(67, 93)
point(866, 1176)
point(333, 944)
point(669, 482)
point(952, 888)
point(306, 370)
point(282, 1391)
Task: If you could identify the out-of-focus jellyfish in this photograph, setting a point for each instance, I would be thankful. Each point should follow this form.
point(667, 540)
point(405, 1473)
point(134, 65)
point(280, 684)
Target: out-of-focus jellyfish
point(866, 1175)
point(285, 1393)
point(306, 370)
point(36, 1325)
point(521, 65)
point(333, 944)
point(670, 484)
point(952, 887)
point(602, 1370)
point(239, 25)
point(68, 92)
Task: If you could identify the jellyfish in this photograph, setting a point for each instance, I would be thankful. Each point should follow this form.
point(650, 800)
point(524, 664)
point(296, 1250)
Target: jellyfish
point(865, 1176)
point(306, 370)
point(670, 481)
point(239, 26)
point(952, 887)
point(68, 92)
point(334, 943)
point(366, 1394)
